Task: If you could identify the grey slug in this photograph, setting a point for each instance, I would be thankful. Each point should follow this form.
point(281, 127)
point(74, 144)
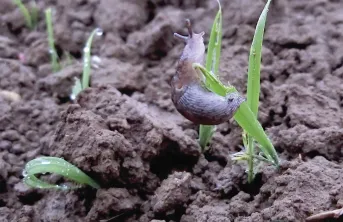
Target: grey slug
point(189, 96)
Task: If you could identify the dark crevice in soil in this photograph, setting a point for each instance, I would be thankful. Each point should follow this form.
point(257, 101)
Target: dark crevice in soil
point(87, 194)
point(31, 198)
point(3, 187)
point(271, 78)
point(288, 122)
point(254, 187)
point(76, 55)
point(295, 45)
point(228, 195)
point(2, 203)
point(171, 159)
point(220, 159)
point(339, 65)
point(127, 91)
point(15, 32)
point(175, 215)
point(313, 154)
point(151, 11)
point(63, 100)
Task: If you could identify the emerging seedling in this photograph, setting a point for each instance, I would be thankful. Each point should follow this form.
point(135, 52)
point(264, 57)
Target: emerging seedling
point(30, 14)
point(212, 64)
point(43, 165)
point(79, 86)
point(56, 66)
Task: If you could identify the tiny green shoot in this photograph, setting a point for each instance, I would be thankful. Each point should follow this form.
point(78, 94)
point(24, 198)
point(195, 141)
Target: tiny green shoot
point(43, 165)
point(56, 66)
point(30, 15)
point(246, 115)
point(34, 13)
point(87, 58)
point(212, 64)
point(78, 85)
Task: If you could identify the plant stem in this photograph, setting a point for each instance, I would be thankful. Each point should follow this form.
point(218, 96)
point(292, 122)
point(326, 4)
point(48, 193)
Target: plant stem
point(250, 153)
point(205, 135)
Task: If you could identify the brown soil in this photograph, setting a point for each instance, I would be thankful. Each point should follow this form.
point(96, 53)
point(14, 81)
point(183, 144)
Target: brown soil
point(126, 134)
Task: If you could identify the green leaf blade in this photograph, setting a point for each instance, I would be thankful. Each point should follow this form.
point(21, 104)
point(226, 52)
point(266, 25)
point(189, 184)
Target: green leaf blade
point(55, 165)
point(212, 63)
point(253, 90)
point(214, 44)
point(247, 120)
point(52, 50)
point(87, 58)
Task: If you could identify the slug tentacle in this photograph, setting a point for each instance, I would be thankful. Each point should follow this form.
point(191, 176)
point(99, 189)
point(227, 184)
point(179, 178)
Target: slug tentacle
point(189, 96)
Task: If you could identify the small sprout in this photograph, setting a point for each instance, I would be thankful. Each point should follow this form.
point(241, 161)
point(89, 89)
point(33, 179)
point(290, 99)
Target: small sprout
point(42, 165)
point(34, 13)
point(79, 86)
point(212, 64)
point(87, 58)
point(30, 15)
point(56, 66)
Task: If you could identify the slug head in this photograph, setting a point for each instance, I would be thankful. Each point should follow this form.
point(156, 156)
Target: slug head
point(194, 50)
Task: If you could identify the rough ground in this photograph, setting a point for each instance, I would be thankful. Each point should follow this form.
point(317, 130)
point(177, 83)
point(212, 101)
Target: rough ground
point(126, 134)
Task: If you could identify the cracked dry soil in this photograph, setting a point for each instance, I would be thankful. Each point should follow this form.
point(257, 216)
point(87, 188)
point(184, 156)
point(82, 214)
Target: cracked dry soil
point(126, 134)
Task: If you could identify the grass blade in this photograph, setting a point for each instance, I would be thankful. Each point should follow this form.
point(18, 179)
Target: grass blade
point(253, 90)
point(25, 12)
point(87, 58)
point(248, 121)
point(55, 165)
point(212, 63)
point(214, 44)
point(212, 83)
point(34, 13)
point(52, 50)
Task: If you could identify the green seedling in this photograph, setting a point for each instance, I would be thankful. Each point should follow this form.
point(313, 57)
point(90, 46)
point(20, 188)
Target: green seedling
point(79, 86)
point(43, 165)
point(253, 90)
point(30, 15)
point(56, 66)
point(246, 115)
point(212, 63)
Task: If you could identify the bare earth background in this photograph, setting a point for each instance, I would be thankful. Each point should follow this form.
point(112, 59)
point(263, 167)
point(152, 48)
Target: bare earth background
point(126, 134)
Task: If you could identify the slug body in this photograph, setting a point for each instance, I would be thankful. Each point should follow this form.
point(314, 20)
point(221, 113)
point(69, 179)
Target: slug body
point(189, 96)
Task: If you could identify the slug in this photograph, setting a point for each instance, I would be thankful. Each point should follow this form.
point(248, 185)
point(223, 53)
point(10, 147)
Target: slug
point(189, 96)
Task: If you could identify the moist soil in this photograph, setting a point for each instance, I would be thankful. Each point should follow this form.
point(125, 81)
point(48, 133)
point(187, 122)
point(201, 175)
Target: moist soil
point(126, 134)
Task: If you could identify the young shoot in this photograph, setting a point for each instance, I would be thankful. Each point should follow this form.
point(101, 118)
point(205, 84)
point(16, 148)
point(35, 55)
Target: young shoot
point(56, 66)
point(212, 64)
point(246, 114)
point(253, 90)
point(79, 86)
point(43, 165)
point(30, 14)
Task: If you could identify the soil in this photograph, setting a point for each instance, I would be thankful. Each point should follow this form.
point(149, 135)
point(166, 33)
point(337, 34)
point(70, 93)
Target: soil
point(125, 133)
